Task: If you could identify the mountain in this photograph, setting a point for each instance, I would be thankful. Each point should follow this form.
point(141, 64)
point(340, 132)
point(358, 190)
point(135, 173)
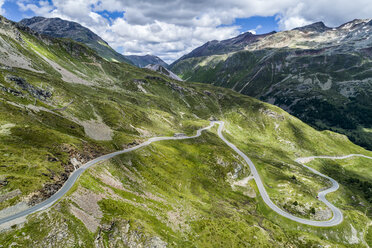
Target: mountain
point(321, 75)
point(225, 46)
point(163, 70)
point(62, 105)
point(58, 28)
point(143, 61)
point(318, 27)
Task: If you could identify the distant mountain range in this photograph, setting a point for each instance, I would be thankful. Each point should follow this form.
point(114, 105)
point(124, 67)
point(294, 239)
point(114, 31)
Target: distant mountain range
point(225, 46)
point(143, 61)
point(320, 74)
point(58, 28)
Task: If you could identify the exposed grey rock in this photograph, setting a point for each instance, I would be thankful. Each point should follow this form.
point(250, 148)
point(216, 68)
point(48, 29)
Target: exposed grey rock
point(11, 91)
point(164, 71)
point(207, 92)
point(24, 85)
point(177, 87)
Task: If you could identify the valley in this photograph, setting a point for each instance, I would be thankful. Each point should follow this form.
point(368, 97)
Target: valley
point(101, 153)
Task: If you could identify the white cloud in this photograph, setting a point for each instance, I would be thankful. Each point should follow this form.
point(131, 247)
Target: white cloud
point(170, 28)
point(332, 13)
point(43, 8)
point(2, 11)
point(254, 31)
point(169, 40)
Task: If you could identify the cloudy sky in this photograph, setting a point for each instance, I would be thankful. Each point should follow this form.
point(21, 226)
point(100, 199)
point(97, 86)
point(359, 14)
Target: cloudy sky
point(171, 28)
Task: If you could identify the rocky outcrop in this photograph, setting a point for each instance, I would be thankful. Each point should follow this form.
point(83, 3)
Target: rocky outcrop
point(155, 78)
point(177, 87)
point(121, 233)
point(10, 90)
point(24, 85)
point(3, 182)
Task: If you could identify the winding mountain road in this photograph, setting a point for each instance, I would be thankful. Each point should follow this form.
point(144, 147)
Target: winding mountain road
point(337, 214)
point(335, 220)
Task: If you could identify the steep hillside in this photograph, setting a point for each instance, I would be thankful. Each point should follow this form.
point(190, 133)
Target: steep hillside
point(62, 105)
point(58, 28)
point(143, 61)
point(321, 75)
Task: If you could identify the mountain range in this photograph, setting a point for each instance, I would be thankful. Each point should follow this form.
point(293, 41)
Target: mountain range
point(320, 74)
point(58, 28)
point(63, 106)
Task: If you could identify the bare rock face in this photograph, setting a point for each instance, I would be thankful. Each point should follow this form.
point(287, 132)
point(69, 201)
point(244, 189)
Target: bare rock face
point(164, 71)
point(177, 87)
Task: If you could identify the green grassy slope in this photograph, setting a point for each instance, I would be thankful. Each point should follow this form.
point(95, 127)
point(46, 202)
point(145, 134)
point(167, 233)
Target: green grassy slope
point(182, 193)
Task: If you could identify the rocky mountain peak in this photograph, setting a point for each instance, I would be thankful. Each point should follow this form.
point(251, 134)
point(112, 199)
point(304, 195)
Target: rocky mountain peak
point(315, 27)
point(355, 24)
point(56, 27)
